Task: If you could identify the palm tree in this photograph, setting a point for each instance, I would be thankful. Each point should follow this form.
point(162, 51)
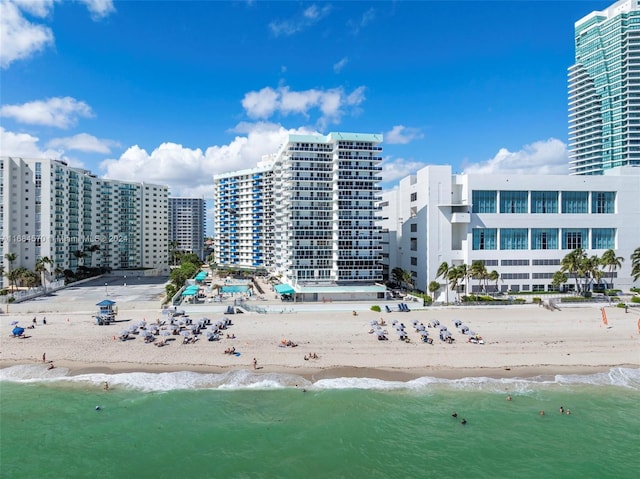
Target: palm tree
point(635, 264)
point(571, 264)
point(41, 268)
point(457, 274)
point(611, 261)
point(396, 274)
point(443, 272)
point(173, 250)
point(434, 286)
point(494, 276)
point(407, 278)
point(11, 257)
point(79, 254)
point(92, 249)
point(559, 278)
point(478, 271)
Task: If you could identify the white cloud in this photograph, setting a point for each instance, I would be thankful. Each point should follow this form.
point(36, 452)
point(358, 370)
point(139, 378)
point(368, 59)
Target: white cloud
point(190, 171)
point(99, 9)
point(331, 103)
point(38, 8)
point(337, 67)
point(19, 37)
point(24, 145)
point(83, 142)
point(60, 112)
point(402, 135)
point(548, 157)
point(398, 168)
point(366, 18)
point(309, 17)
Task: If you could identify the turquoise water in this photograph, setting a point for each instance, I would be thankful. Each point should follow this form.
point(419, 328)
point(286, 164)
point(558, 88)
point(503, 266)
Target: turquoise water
point(234, 289)
point(242, 424)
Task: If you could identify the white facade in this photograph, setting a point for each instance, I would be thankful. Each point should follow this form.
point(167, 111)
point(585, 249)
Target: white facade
point(187, 224)
point(77, 219)
point(242, 218)
point(308, 213)
point(519, 225)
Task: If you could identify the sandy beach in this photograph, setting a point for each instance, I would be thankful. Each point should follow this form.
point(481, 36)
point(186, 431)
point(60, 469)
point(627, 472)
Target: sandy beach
point(519, 341)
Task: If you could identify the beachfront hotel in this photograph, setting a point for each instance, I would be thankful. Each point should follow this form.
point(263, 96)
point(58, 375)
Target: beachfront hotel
point(519, 225)
point(187, 224)
point(604, 90)
point(308, 215)
point(50, 209)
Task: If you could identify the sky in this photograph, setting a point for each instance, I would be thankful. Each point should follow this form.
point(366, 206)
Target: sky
point(173, 92)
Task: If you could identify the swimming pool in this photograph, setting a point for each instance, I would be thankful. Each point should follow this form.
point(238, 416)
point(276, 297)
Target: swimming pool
point(235, 288)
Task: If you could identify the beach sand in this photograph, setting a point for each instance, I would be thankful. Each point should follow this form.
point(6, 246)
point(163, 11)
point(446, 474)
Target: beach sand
point(519, 341)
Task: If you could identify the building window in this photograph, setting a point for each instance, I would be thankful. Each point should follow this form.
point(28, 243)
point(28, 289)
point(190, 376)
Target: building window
point(514, 202)
point(414, 261)
point(414, 244)
point(575, 202)
point(573, 238)
point(414, 228)
point(603, 202)
point(484, 238)
point(514, 238)
point(414, 196)
point(484, 201)
point(603, 238)
point(544, 238)
point(544, 202)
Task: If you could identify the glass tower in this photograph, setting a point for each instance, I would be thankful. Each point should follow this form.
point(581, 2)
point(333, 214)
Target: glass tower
point(604, 90)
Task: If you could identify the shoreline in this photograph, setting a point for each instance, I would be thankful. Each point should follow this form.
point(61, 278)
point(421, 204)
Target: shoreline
point(319, 373)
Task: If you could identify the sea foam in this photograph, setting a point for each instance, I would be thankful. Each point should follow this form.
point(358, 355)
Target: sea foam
point(243, 379)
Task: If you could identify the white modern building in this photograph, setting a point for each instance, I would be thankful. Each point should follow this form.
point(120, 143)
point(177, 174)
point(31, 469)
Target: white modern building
point(309, 215)
point(187, 224)
point(69, 215)
point(243, 217)
point(604, 90)
point(519, 225)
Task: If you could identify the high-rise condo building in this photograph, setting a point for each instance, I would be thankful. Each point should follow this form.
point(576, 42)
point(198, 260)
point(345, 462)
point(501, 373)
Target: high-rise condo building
point(604, 90)
point(76, 219)
point(187, 224)
point(308, 214)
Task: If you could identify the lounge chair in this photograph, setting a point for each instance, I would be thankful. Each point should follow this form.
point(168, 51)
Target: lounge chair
point(387, 308)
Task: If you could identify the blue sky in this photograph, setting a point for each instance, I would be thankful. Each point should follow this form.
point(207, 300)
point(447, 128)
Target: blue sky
point(174, 92)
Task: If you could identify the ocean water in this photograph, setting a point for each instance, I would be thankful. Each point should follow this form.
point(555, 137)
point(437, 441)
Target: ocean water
point(246, 425)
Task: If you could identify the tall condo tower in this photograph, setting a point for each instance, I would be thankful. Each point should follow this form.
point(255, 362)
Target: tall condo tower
point(604, 90)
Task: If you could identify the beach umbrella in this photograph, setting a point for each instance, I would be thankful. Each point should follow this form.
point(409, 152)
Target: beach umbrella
point(424, 333)
point(17, 331)
point(373, 322)
point(420, 327)
point(13, 323)
point(145, 333)
point(186, 334)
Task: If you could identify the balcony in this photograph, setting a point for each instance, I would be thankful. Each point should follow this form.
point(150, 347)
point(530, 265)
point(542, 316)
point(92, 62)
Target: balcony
point(460, 218)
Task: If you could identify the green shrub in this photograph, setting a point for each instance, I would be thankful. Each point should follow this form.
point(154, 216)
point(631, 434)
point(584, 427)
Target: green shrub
point(10, 299)
point(376, 308)
point(635, 299)
point(612, 292)
point(621, 305)
point(536, 300)
point(4, 292)
point(635, 290)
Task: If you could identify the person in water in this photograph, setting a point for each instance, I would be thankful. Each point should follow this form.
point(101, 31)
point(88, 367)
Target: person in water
point(455, 414)
point(561, 410)
point(463, 422)
point(509, 397)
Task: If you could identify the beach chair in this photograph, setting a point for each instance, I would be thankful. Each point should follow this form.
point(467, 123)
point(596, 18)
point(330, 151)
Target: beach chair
point(406, 308)
point(387, 308)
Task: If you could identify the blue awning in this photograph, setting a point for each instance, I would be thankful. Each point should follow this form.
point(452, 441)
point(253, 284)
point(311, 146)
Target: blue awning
point(284, 289)
point(106, 302)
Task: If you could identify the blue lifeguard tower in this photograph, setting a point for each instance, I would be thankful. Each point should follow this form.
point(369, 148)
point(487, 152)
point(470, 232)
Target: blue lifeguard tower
point(106, 314)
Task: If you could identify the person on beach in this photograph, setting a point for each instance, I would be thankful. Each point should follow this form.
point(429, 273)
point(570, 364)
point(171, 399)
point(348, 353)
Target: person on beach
point(34, 322)
point(255, 363)
point(106, 386)
point(44, 357)
point(51, 366)
point(44, 320)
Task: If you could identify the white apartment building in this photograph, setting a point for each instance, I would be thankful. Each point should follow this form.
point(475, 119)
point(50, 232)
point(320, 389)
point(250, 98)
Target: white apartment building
point(519, 225)
point(187, 224)
point(308, 214)
point(69, 215)
point(243, 217)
